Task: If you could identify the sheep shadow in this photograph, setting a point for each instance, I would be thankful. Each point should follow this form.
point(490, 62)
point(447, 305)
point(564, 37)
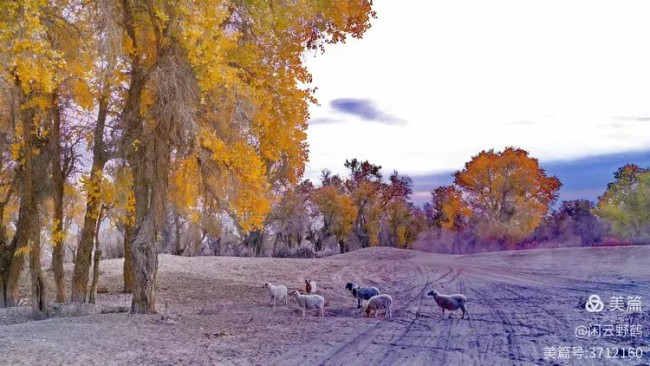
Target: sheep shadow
point(346, 312)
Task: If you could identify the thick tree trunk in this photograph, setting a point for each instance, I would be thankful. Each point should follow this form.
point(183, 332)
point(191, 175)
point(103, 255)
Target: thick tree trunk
point(57, 268)
point(14, 263)
point(144, 254)
point(27, 216)
point(32, 225)
point(8, 283)
point(144, 249)
point(58, 186)
point(40, 308)
point(134, 131)
point(84, 250)
point(128, 266)
point(150, 195)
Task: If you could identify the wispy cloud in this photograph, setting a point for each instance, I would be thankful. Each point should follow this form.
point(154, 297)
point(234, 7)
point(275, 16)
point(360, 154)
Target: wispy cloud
point(633, 118)
point(324, 121)
point(365, 109)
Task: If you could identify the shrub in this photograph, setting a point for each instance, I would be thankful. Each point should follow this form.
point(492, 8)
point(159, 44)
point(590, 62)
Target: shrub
point(300, 252)
point(283, 252)
point(242, 251)
point(304, 252)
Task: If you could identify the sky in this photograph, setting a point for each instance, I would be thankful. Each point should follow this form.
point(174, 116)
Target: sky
point(432, 83)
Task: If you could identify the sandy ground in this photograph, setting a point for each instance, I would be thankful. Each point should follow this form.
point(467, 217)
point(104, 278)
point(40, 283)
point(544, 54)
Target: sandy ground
point(520, 302)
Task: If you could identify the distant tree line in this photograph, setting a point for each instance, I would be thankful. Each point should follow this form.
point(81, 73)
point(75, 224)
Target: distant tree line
point(504, 200)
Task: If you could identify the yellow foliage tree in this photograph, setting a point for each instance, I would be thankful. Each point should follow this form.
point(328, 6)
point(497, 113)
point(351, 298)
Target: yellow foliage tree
point(338, 211)
point(218, 84)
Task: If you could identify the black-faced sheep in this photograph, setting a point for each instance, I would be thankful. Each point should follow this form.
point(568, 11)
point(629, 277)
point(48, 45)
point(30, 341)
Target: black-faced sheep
point(309, 302)
point(310, 286)
point(361, 293)
point(450, 302)
point(375, 303)
point(277, 292)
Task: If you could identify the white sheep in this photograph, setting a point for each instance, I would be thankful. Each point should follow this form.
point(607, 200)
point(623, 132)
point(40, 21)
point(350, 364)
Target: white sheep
point(310, 286)
point(450, 302)
point(377, 302)
point(309, 302)
point(277, 292)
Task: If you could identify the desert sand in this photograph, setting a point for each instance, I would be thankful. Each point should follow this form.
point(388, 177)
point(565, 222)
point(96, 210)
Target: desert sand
point(521, 304)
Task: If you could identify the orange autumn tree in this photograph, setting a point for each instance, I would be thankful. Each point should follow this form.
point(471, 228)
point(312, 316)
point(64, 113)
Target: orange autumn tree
point(448, 208)
point(508, 193)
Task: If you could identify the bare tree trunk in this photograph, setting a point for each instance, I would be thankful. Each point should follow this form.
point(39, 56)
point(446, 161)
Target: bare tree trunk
point(14, 262)
point(84, 250)
point(73, 251)
point(5, 260)
point(4, 253)
point(93, 286)
point(40, 306)
point(145, 263)
point(150, 195)
point(178, 250)
point(128, 266)
point(255, 240)
point(97, 257)
point(39, 291)
point(58, 186)
point(217, 247)
point(27, 227)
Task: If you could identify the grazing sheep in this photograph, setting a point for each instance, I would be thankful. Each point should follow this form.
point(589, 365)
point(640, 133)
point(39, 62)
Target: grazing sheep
point(309, 302)
point(361, 293)
point(278, 292)
point(310, 286)
point(450, 302)
point(377, 302)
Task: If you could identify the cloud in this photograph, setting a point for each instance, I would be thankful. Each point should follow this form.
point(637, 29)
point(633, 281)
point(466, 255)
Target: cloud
point(324, 121)
point(633, 118)
point(365, 109)
point(424, 184)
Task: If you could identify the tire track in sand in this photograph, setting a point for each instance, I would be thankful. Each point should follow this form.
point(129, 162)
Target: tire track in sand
point(363, 340)
point(391, 357)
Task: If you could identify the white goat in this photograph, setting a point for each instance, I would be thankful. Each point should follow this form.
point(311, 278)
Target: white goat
point(377, 302)
point(309, 302)
point(277, 292)
point(450, 302)
point(310, 286)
